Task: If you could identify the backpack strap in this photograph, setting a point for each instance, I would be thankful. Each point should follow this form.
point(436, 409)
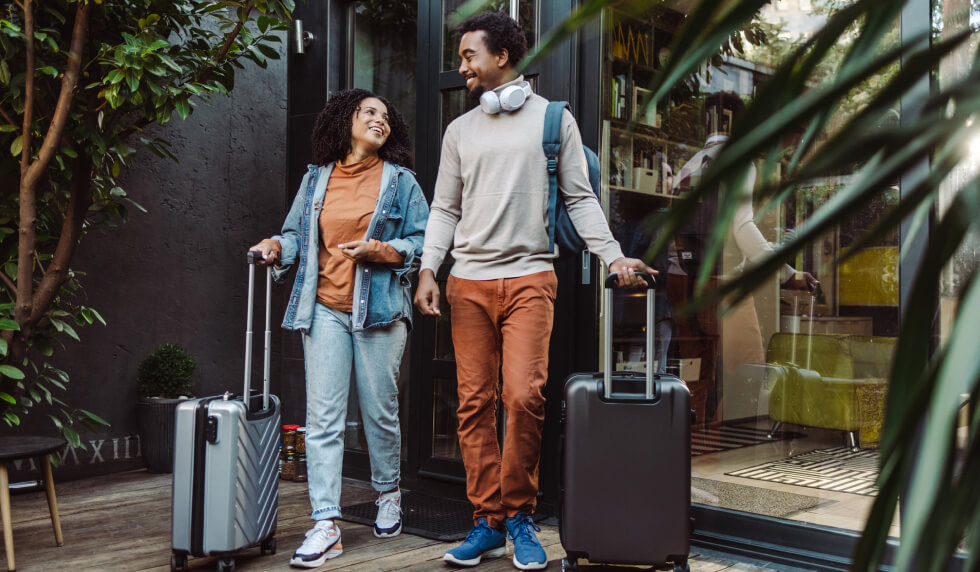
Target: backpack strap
point(551, 142)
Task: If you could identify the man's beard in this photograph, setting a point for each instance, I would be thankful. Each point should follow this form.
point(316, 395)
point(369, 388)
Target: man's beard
point(473, 96)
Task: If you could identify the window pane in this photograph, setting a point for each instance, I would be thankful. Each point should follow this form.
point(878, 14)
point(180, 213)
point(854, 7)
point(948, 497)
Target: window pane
point(454, 104)
point(385, 36)
point(785, 382)
point(444, 423)
point(444, 333)
point(951, 17)
point(450, 37)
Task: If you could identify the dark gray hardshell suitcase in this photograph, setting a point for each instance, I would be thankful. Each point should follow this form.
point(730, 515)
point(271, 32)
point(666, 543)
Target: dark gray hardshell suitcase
point(226, 460)
point(626, 463)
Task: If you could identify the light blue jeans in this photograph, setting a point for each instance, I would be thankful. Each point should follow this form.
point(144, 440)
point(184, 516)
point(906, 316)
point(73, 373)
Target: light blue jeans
point(332, 350)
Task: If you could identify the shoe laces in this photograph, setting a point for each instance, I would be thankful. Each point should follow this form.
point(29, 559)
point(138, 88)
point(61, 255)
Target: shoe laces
point(523, 527)
point(478, 531)
point(389, 507)
point(319, 534)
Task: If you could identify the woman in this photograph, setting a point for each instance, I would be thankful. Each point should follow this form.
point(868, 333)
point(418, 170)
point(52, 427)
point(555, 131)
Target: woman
point(354, 233)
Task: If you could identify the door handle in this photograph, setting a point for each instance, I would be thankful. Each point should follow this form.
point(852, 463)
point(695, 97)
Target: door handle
point(301, 39)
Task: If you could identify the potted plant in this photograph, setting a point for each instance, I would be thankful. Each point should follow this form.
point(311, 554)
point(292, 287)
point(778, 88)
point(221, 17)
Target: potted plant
point(164, 379)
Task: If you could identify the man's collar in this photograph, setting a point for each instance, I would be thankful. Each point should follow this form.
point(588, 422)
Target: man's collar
point(516, 81)
point(715, 139)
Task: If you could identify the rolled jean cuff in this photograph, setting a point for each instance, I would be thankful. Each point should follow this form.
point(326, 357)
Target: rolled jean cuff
point(384, 486)
point(325, 513)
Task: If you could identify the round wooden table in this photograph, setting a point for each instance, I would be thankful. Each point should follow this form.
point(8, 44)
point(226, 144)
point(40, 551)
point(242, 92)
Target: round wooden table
point(27, 447)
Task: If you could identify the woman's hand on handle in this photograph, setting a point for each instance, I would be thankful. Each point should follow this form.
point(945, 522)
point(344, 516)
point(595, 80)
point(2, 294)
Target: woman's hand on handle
point(271, 251)
point(627, 269)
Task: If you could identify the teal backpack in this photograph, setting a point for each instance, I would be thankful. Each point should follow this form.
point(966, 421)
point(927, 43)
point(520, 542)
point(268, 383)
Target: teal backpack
point(560, 227)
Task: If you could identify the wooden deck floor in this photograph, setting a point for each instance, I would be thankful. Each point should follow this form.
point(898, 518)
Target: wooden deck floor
point(122, 522)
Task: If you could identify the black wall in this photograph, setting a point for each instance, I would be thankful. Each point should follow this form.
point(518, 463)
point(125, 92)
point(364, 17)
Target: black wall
point(177, 274)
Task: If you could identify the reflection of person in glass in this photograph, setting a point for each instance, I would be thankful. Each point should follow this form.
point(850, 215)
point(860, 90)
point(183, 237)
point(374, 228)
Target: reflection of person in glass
point(630, 228)
point(490, 207)
point(698, 334)
point(354, 233)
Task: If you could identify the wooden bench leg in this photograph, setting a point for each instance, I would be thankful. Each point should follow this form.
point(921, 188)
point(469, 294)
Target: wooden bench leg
point(8, 532)
point(52, 501)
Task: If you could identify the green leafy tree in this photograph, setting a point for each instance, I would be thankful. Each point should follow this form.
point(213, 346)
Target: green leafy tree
point(80, 83)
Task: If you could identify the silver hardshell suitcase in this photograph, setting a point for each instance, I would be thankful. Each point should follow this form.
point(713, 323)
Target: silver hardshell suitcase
point(225, 480)
point(626, 462)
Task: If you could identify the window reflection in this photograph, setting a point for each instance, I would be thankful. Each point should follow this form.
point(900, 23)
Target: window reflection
point(384, 52)
point(952, 17)
point(786, 372)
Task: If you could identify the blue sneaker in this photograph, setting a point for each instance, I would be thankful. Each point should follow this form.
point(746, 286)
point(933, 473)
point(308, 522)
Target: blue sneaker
point(528, 554)
point(480, 541)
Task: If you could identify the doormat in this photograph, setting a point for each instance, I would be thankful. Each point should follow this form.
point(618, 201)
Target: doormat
point(424, 515)
point(726, 437)
point(838, 469)
point(756, 500)
point(438, 518)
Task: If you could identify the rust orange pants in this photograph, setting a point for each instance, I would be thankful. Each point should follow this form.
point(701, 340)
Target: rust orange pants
point(501, 325)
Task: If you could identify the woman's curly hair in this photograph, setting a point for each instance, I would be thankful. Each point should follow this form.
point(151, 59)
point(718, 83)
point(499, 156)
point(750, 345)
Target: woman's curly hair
point(502, 33)
point(332, 130)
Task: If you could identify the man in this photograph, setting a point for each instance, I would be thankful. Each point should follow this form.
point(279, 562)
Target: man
point(490, 206)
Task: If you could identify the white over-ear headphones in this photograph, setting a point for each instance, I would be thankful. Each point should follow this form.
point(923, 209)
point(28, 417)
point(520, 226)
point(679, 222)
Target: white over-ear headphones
point(511, 97)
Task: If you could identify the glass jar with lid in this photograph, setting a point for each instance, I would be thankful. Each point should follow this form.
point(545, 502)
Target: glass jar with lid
point(301, 476)
point(289, 436)
point(301, 440)
point(289, 467)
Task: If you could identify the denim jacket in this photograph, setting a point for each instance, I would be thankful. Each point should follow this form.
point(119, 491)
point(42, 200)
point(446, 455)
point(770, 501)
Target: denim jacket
point(382, 292)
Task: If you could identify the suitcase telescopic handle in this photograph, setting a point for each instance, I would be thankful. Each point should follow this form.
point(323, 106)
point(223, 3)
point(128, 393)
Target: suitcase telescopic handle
point(650, 280)
point(607, 370)
point(253, 257)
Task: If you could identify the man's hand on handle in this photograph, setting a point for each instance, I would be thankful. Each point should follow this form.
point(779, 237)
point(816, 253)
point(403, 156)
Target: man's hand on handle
point(802, 281)
point(627, 269)
point(270, 250)
point(427, 294)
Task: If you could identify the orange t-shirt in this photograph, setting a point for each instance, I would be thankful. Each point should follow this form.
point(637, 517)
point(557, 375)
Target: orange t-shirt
point(348, 205)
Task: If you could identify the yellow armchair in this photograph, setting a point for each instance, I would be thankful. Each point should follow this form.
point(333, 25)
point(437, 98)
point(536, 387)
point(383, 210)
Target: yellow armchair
point(832, 381)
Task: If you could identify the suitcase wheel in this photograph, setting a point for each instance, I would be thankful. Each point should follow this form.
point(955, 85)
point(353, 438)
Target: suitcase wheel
point(682, 567)
point(268, 546)
point(567, 564)
point(178, 562)
point(226, 565)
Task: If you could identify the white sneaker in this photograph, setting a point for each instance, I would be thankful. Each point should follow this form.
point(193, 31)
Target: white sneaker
point(389, 520)
point(322, 543)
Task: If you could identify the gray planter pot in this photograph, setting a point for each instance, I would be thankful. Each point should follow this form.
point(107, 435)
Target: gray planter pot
point(155, 419)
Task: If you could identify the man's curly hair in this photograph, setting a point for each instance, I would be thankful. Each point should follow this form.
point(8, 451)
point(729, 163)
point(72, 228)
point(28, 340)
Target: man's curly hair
point(332, 130)
point(502, 33)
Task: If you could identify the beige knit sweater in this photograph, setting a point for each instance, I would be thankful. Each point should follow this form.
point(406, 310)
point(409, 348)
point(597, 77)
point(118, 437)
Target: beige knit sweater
point(491, 197)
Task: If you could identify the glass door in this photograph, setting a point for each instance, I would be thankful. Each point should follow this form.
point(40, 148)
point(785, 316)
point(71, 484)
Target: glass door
point(441, 100)
point(788, 387)
point(381, 57)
